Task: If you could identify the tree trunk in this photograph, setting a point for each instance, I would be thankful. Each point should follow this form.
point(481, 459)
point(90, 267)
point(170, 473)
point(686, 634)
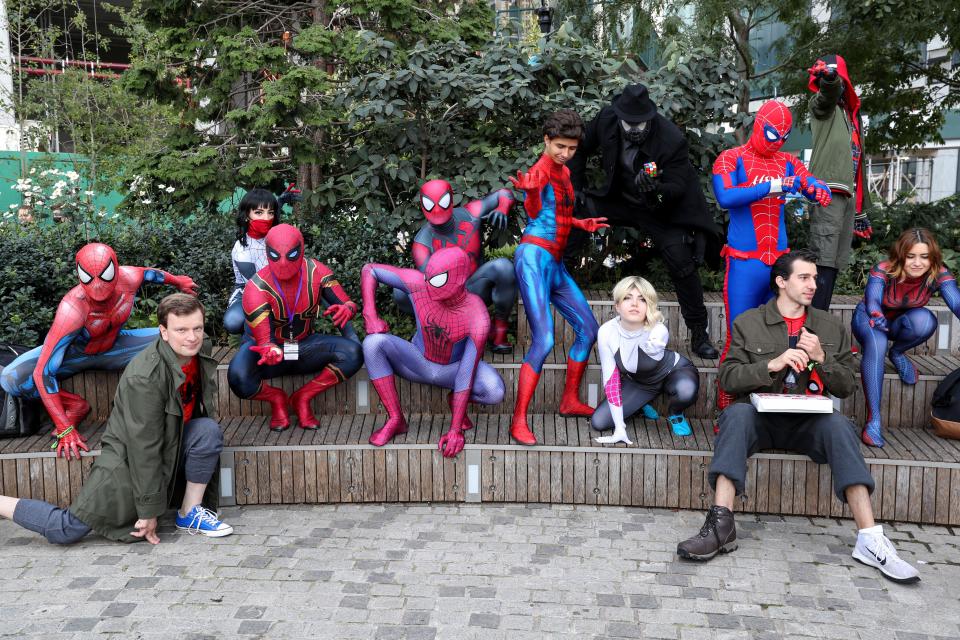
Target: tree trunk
point(308, 173)
point(740, 36)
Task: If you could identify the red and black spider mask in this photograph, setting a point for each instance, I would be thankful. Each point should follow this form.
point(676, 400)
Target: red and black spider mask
point(436, 201)
point(446, 273)
point(771, 127)
point(284, 251)
point(97, 269)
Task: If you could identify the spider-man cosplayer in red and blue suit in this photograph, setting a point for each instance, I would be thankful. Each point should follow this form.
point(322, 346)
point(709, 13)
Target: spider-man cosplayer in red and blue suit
point(452, 329)
point(542, 276)
point(750, 181)
point(447, 226)
point(892, 310)
point(280, 302)
point(87, 333)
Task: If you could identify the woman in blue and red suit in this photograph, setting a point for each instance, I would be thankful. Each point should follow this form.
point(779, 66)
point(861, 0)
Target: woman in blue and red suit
point(892, 311)
point(280, 302)
point(541, 276)
point(750, 181)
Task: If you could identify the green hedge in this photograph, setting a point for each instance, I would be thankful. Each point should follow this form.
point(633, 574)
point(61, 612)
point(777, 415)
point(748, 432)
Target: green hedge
point(38, 269)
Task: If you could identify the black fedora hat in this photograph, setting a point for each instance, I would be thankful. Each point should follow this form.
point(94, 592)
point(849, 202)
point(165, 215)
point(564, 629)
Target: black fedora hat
point(634, 104)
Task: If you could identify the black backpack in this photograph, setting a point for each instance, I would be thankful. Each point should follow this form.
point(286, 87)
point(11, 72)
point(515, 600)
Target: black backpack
point(19, 417)
point(945, 411)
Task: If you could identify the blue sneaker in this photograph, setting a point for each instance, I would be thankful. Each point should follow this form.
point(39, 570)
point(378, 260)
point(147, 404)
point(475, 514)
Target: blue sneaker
point(650, 413)
point(680, 426)
point(204, 522)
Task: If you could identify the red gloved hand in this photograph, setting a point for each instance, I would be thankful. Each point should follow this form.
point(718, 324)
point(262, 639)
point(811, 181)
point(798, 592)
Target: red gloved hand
point(790, 184)
point(374, 324)
point(590, 225)
point(270, 354)
point(69, 441)
point(342, 314)
point(185, 284)
point(451, 443)
point(862, 227)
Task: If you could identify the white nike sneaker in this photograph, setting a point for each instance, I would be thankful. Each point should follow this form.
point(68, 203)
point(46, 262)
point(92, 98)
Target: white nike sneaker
point(877, 551)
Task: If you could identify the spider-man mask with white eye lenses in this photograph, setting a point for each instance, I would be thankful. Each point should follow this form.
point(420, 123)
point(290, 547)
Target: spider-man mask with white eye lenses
point(97, 269)
point(436, 201)
point(284, 244)
point(446, 273)
point(771, 128)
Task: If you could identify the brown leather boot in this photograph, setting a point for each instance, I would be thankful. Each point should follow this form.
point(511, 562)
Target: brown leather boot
point(717, 535)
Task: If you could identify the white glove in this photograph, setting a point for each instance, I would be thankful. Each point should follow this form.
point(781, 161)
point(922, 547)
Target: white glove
point(619, 435)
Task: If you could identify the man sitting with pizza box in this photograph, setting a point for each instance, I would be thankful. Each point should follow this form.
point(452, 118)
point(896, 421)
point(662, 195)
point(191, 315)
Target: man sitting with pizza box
point(788, 347)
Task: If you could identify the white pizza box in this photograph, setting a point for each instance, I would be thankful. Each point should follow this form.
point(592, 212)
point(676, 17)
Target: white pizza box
point(791, 403)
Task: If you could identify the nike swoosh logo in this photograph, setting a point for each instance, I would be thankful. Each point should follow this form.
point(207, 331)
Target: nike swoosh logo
point(882, 561)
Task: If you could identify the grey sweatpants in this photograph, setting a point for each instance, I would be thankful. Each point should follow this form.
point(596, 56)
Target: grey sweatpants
point(826, 437)
point(202, 444)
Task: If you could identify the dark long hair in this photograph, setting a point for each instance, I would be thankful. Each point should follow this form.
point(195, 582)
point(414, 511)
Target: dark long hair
point(254, 199)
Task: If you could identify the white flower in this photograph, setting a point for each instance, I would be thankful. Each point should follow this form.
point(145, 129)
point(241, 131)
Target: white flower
point(33, 170)
point(147, 201)
point(56, 194)
point(14, 206)
point(102, 214)
point(45, 172)
point(170, 189)
point(60, 184)
point(73, 175)
point(162, 186)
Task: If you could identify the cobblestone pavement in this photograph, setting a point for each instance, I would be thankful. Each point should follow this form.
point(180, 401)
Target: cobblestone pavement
point(470, 571)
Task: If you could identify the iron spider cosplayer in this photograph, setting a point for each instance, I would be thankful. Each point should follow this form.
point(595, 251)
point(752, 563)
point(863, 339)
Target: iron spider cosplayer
point(750, 181)
point(452, 329)
point(87, 333)
point(447, 226)
point(541, 274)
point(280, 302)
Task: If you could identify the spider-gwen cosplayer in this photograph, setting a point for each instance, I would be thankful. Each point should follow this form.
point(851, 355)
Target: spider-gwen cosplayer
point(87, 333)
point(280, 302)
point(258, 211)
point(541, 274)
point(452, 328)
point(750, 181)
point(892, 311)
point(447, 226)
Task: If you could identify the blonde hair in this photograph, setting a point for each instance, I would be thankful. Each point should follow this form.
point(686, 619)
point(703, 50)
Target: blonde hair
point(622, 288)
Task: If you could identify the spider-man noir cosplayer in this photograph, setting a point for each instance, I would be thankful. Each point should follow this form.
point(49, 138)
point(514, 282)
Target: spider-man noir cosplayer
point(87, 333)
point(751, 182)
point(446, 350)
point(281, 302)
point(449, 226)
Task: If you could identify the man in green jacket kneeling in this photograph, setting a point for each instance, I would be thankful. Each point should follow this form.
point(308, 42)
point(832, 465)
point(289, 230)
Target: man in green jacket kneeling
point(161, 440)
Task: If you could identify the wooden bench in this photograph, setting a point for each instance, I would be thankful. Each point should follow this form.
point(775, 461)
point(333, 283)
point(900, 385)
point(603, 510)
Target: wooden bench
point(917, 473)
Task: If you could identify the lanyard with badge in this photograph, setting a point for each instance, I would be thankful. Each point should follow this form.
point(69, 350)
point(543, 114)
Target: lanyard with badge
point(291, 348)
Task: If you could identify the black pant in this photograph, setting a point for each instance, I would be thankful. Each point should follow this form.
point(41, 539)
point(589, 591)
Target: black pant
point(826, 437)
point(676, 246)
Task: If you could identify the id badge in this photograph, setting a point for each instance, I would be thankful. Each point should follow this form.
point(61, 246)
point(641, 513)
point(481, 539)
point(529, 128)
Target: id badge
point(291, 350)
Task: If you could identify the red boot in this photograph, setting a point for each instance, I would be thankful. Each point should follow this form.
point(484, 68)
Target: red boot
point(570, 404)
point(498, 337)
point(467, 423)
point(300, 400)
point(279, 420)
point(519, 430)
point(75, 407)
point(396, 424)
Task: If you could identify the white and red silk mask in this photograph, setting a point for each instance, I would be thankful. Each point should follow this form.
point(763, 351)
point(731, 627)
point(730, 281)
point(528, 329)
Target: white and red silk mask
point(284, 245)
point(436, 201)
point(98, 270)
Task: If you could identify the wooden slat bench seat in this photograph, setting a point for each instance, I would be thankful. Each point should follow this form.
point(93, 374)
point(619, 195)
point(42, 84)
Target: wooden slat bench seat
point(917, 473)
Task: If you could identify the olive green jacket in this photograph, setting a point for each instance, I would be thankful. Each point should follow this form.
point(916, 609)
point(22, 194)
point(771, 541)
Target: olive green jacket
point(760, 335)
point(135, 475)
